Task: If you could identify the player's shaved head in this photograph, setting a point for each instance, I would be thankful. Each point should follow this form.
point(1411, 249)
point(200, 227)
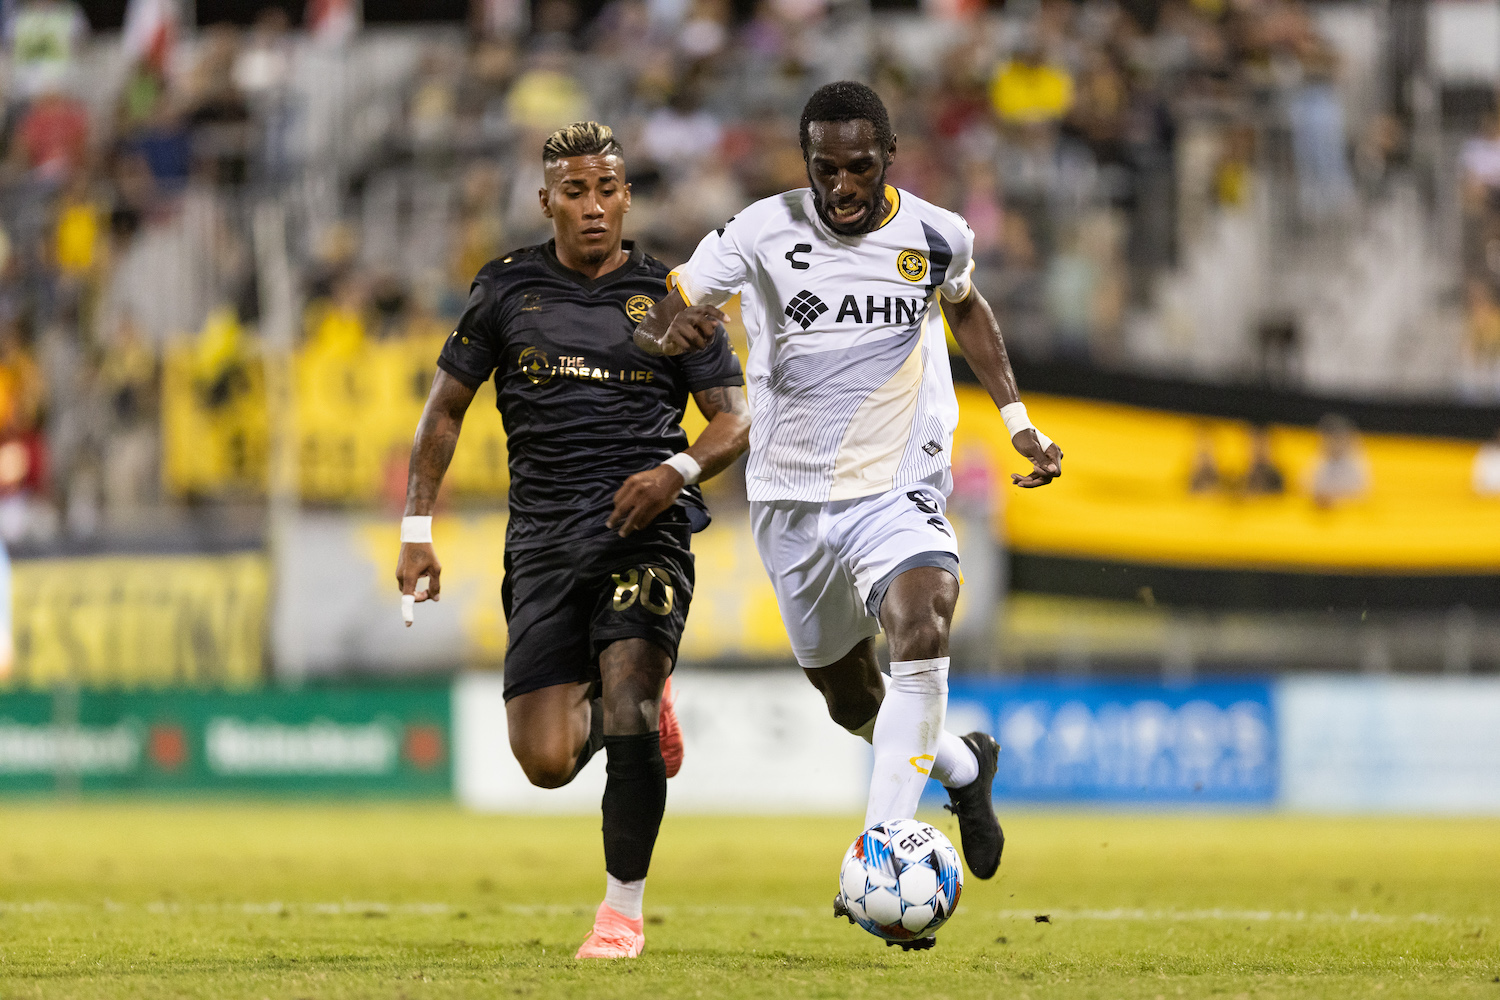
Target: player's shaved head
point(846, 101)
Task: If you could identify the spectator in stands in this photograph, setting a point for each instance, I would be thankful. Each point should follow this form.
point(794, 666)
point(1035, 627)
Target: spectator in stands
point(52, 137)
point(1319, 141)
point(129, 377)
point(1342, 472)
point(547, 95)
point(1263, 478)
point(44, 37)
point(76, 245)
point(1205, 477)
point(1027, 89)
point(1487, 468)
point(1483, 320)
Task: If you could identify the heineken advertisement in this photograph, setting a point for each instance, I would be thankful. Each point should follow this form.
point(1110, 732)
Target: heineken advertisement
point(374, 741)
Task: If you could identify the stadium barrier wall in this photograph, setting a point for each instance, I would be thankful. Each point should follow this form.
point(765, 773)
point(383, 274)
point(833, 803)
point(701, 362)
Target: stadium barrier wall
point(761, 742)
point(1394, 744)
point(758, 742)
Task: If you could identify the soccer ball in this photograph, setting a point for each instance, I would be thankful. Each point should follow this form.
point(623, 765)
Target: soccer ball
point(901, 880)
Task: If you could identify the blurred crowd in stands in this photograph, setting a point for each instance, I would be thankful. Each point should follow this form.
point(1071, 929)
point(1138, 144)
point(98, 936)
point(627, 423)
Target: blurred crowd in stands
point(1085, 142)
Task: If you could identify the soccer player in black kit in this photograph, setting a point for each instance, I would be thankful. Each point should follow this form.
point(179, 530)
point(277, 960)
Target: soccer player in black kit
point(603, 501)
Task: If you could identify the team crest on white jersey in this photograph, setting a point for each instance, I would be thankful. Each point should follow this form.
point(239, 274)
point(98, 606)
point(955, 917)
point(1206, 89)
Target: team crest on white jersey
point(912, 265)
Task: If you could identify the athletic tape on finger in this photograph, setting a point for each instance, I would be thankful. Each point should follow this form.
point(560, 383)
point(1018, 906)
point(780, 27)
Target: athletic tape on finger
point(408, 608)
point(1016, 421)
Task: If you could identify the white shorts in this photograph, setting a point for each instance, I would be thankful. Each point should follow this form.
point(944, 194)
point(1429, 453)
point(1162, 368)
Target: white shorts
point(831, 563)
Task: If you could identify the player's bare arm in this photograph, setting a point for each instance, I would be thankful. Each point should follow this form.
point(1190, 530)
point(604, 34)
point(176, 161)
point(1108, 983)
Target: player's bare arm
point(978, 334)
point(646, 494)
point(673, 327)
point(437, 436)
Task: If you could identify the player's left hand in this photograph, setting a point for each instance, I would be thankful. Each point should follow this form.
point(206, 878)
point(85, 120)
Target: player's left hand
point(643, 497)
point(1045, 465)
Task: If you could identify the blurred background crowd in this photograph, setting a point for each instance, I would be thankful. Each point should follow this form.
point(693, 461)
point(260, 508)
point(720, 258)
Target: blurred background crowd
point(233, 234)
point(1216, 187)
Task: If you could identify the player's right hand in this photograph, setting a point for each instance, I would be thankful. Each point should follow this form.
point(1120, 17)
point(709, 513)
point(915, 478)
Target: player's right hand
point(418, 559)
point(692, 329)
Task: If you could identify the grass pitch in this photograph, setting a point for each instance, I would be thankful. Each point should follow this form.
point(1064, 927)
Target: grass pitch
point(427, 901)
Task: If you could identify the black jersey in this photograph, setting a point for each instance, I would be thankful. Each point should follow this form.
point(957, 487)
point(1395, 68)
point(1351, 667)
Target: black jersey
point(584, 408)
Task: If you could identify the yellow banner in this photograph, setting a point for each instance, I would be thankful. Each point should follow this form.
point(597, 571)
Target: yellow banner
point(141, 621)
point(1124, 495)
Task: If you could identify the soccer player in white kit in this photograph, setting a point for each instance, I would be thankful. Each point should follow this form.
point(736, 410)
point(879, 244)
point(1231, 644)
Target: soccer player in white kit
point(852, 420)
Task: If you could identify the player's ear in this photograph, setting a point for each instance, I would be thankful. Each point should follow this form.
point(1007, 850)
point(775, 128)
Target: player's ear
point(890, 150)
point(626, 189)
point(542, 196)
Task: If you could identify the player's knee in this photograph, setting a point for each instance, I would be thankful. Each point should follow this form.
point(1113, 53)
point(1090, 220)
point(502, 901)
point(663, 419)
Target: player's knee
point(852, 709)
point(547, 767)
point(917, 631)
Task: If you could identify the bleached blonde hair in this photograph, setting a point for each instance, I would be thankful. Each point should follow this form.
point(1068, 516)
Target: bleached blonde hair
point(581, 139)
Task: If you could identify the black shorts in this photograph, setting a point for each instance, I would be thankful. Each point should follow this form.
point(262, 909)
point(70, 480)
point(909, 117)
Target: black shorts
point(565, 603)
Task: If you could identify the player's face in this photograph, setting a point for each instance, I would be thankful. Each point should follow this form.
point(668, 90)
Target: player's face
point(586, 198)
point(847, 169)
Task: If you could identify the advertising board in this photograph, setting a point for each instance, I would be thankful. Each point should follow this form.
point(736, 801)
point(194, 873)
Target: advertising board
point(1127, 743)
point(1390, 744)
point(391, 741)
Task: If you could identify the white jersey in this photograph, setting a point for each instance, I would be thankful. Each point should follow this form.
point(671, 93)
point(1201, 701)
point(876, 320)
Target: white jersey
point(850, 389)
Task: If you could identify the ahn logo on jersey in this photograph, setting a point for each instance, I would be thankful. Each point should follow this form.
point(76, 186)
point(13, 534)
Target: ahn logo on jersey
point(805, 308)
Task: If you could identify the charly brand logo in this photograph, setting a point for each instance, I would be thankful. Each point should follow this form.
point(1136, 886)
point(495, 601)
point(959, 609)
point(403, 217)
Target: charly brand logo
point(912, 265)
point(637, 306)
point(534, 363)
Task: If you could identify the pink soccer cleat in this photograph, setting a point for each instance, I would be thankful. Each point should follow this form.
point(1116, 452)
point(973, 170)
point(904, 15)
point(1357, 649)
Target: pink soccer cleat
point(670, 732)
point(614, 936)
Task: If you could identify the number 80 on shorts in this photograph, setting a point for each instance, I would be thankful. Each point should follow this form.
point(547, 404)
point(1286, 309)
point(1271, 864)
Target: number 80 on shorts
point(650, 585)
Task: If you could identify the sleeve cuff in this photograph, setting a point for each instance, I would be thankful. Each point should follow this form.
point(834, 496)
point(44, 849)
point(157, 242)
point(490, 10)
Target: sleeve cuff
point(968, 286)
point(675, 283)
point(467, 378)
point(717, 381)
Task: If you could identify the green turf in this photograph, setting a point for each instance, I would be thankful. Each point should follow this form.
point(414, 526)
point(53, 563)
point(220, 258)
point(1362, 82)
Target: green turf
point(426, 901)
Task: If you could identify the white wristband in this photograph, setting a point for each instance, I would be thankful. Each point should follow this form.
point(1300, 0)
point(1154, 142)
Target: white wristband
point(686, 466)
point(1016, 421)
point(416, 529)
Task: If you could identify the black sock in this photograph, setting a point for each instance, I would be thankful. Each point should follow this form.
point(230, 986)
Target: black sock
point(635, 796)
point(596, 738)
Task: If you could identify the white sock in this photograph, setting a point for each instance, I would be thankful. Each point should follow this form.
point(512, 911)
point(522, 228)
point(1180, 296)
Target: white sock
point(956, 765)
point(625, 898)
point(906, 737)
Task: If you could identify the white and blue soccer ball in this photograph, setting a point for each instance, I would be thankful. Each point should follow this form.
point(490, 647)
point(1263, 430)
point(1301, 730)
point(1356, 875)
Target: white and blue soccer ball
point(901, 880)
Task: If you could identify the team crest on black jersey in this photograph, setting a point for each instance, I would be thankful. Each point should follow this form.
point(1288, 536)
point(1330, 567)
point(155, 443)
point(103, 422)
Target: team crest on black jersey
point(912, 265)
point(637, 306)
point(534, 363)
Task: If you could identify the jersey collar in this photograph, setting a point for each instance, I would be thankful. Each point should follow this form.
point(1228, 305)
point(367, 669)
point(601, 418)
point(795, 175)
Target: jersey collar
point(549, 256)
point(892, 196)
